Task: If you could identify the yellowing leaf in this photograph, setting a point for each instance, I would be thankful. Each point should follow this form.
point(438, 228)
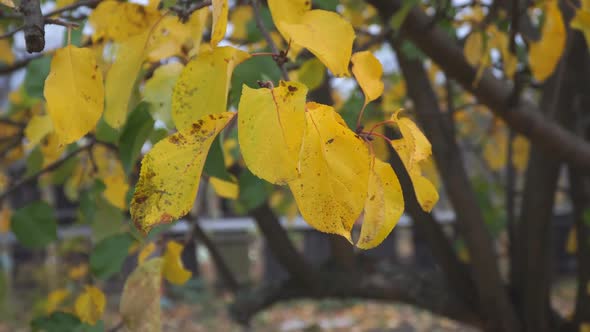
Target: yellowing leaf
point(334, 172)
point(544, 55)
point(288, 11)
point(7, 3)
point(325, 34)
point(140, 301)
point(473, 50)
point(117, 21)
point(414, 149)
point(581, 20)
point(270, 130)
point(312, 73)
point(368, 71)
point(239, 17)
point(38, 127)
point(78, 272)
point(196, 24)
point(121, 78)
point(90, 305)
point(116, 190)
point(6, 54)
point(220, 12)
point(168, 39)
point(146, 252)
point(383, 207)
point(203, 85)
point(74, 93)
point(51, 149)
point(225, 189)
point(173, 270)
point(171, 171)
point(55, 299)
point(158, 91)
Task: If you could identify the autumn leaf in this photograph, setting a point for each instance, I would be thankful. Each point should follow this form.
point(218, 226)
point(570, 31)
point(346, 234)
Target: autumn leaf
point(74, 93)
point(290, 11)
point(7, 3)
point(118, 21)
point(383, 207)
point(145, 253)
point(225, 189)
point(413, 149)
point(270, 129)
point(239, 17)
point(325, 34)
point(38, 127)
point(170, 173)
point(581, 20)
point(312, 74)
point(90, 305)
point(121, 78)
point(220, 13)
point(158, 91)
point(334, 172)
point(55, 299)
point(172, 268)
point(203, 85)
point(367, 70)
point(544, 54)
point(140, 301)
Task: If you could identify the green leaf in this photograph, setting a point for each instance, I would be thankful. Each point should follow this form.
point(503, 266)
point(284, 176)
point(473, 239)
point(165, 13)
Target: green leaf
point(34, 161)
point(215, 162)
point(327, 4)
point(56, 322)
point(108, 219)
point(158, 134)
point(136, 131)
point(61, 321)
point(88, 199)
point(106, 133)
point(253, 190)
point(109, 254)
point(34, 225)
point(411, 51)
point(37, 71)
point(64, 171)
point(250, 72)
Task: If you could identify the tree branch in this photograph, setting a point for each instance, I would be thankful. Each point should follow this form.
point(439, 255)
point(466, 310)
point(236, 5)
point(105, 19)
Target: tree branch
point(266, 35)
point(425, 290)
point(493, 299)
point(522, 115)
point(33, 25)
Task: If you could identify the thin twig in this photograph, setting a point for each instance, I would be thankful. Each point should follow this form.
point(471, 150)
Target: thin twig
point(267, 37)
point(49, 168)
point(184, 13)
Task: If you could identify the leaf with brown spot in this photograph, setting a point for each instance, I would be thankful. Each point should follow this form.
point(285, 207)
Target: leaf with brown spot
point(171, 172)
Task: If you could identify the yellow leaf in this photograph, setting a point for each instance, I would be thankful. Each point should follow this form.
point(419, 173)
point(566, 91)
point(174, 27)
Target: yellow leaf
point(173, 270)
point(196, 24)
point(325, 34)
point(368, 71)
point(140, 301)
point(414, 149)
point(571, 246)
point(544, 55)
point(585, 327)
point(118, 21)
point(90, 305)
point(146, 252)
point(168, 39)
point(74, 93)
point(5, 214)
point(6, 54)
point(334, 172)
point(239, 17)
point(383, 207)
point(158, 91)
point(121, 78)
point(220, 11)
point(63, 3)
point(289, 11)
point(51, 149)
point(270, 130)
point(7, 3)
point(312, 73)
point(171, 171)
point(78, 272)
point(581, 20)
point(473, 50)
point(203, 85)
point(38, 127)
point(116, 190)
point(225, 189)
point(55, 299)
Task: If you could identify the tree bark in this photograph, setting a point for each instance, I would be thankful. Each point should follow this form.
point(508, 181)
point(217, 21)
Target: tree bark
point(494, 302)
point(522, 115)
